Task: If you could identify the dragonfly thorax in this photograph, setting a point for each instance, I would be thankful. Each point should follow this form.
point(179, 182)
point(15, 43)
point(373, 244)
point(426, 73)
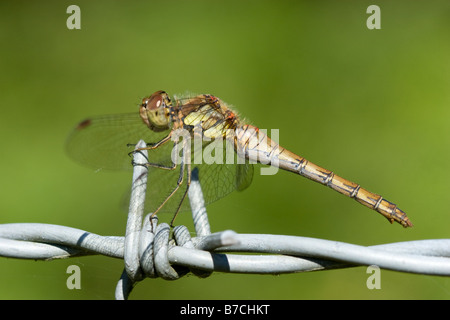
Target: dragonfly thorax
point(155, 111)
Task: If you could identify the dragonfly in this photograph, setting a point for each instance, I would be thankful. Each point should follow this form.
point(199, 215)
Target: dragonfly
point(105, 142)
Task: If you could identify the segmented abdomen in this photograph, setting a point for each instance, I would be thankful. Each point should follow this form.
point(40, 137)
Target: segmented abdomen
point(255, 145)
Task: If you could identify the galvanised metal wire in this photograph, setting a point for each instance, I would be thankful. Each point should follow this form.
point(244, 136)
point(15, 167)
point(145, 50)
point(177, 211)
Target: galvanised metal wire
point(151, 251)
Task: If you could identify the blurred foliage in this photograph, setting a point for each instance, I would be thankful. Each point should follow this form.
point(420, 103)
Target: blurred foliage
point(372, 105)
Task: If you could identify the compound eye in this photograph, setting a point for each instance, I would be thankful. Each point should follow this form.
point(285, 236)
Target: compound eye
point(154, 101)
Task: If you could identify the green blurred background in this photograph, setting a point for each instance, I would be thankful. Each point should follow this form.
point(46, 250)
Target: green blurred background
point(372, 105)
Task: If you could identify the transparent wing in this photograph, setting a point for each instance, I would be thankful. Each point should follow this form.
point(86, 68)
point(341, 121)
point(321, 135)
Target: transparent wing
point(102, 143)
point(217, 179)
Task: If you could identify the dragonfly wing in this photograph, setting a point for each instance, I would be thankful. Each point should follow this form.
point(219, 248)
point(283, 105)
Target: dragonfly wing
point(217, 180)
point(221, 171)
point(244, 176)
point(102, 142)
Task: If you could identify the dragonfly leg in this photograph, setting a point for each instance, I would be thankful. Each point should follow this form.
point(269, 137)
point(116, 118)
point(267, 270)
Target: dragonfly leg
point(151, 146)
point(163, 166)
point(188, 183)
point(179, 183)
point(156, 165)
point(153, 165)
point(135, 163)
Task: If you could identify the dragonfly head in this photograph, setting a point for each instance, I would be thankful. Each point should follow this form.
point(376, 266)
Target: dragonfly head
point(155, 111)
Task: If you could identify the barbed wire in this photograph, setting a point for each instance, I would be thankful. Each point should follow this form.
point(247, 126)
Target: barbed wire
point(150, 250)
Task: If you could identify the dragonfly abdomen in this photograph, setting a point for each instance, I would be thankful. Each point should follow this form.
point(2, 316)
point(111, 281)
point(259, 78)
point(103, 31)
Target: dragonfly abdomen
point(366, 198)
point(353, 190)
point(258, 147)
